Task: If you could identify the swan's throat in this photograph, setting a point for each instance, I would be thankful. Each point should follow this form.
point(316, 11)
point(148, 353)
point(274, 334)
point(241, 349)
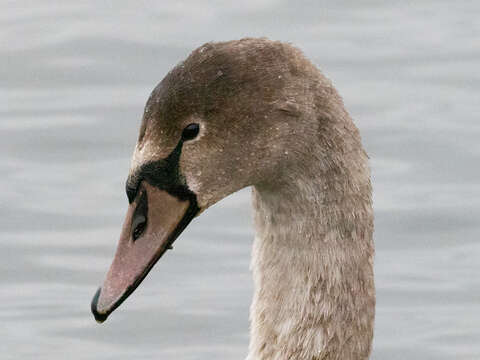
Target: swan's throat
point(312, 265)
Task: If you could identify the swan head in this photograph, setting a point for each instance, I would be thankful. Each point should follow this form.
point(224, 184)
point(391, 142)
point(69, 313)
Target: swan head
point(231, 115)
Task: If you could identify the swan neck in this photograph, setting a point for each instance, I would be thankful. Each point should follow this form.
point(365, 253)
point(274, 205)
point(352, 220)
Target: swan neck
point(312, 263)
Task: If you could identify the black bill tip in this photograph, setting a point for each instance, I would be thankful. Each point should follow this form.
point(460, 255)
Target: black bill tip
point(100, 318)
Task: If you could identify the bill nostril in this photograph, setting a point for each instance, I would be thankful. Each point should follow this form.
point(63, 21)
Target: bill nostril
point(139, 225)
point(139, 222)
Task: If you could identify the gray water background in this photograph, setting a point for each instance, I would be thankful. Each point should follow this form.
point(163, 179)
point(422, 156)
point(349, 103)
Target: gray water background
point(74, 77)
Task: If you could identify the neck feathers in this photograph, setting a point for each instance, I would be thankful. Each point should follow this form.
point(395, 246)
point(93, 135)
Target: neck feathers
point(313, 253)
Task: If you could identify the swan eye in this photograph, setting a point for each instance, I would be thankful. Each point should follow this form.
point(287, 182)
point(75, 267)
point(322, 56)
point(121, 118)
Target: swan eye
point(190, 132)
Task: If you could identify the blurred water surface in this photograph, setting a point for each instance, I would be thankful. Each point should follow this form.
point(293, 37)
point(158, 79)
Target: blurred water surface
point(74, 79)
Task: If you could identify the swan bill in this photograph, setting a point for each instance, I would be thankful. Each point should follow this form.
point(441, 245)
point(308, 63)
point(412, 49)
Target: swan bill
point(153, 221)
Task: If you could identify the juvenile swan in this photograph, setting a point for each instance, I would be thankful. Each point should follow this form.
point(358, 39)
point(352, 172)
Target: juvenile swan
point(256, 112)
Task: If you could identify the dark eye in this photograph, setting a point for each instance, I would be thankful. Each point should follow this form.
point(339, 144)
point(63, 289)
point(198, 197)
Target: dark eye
point(139, 222)
point(190, 132)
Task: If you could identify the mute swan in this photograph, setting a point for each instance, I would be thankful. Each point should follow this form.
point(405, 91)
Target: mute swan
point(255, 112)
